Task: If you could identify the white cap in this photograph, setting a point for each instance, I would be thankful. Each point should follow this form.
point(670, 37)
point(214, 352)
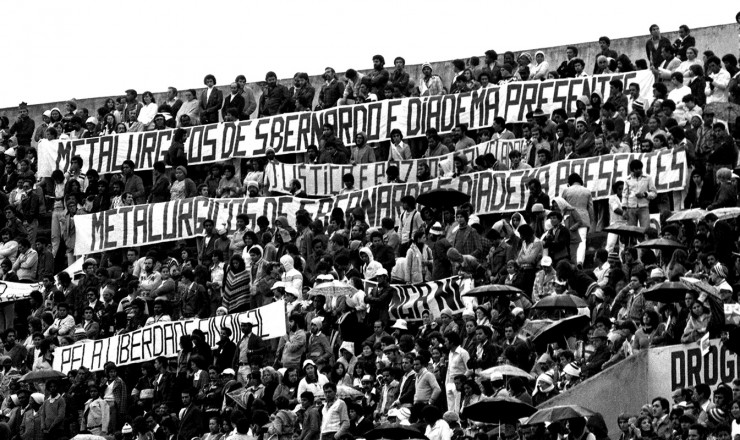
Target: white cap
point(546, 261)
point(380, 272)
point(400, 324)
point(229, 371)
point(47, 113)
point(92, 120)
point(222, 230)
point(517, 310)
point(292, 291)
point(127, 429)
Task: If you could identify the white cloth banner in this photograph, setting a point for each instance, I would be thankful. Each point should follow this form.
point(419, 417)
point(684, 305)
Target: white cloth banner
point(162, 339)
point(326, 179)
point(293, 132)
point(490, 192)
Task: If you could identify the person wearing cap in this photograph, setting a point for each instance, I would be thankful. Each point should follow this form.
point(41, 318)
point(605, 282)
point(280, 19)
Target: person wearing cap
point(250, 346)
point(40, 131)
point(31, 425)
point(544, 280)
point(380, 297)
point(429, 84)
point(600, 355)
point(319, 350)
point(545, 389)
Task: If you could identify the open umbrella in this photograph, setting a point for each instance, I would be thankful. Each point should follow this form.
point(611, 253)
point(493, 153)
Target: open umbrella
point(492, 290)
point(628, 231)
point(558, 413)
point(667, 292)
point(556, 331)
point(725, 213)
point(506, 370)
point(689, 214)
point(345, 392)
point(332, 288)
point(661, 243)
point(442, 197)
point(42, 375)
point(560, 302)
point(498, 409)
point(392, 431)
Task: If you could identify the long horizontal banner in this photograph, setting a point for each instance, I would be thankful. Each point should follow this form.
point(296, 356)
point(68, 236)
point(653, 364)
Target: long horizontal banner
point(410, 301)
point(490, 192)
point(293, 132)
point(162, 339)
point(326, 179)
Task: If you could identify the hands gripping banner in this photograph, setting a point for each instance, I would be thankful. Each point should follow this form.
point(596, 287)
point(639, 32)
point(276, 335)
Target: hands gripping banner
point(294, 132)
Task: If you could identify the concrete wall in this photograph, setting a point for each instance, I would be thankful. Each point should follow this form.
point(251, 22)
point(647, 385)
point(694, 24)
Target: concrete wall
point(722, 39)
point(621, 388)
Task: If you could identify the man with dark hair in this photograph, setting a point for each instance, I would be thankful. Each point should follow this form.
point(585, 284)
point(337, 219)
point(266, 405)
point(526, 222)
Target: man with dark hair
point(15, 350)
point(567, 68)
point(206, 244)
point(335, 419)
point(311, 423)
point(717, 78)
point(250, 103)
point(684, 41)
point(460, 137)
point(160, 191)
point(26, 262)
point(661, 422)
point(22, 128)
point(192, 422)
point(654, 46)
point(382, 253)
point(379, 76)
point(457, 364)
point(435, 147)
point(211, 100)
point(332, 89)
point(400, 78)
point(133, 106)
point(292, 345)
point(132, 183)
point(604, 44)
point(274, 96)
point(500, 130)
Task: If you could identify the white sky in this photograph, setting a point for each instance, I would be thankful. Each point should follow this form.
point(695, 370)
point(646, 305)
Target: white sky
point(57, 50)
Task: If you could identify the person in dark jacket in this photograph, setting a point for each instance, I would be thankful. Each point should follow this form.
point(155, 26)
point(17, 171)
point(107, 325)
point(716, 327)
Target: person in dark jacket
point(192, 422)
point(332, 90)
point(600, 355)
point(557, 239)
point(726, 195)
point(160, 191)
point(380, 298)
point(683, 42)
point(701, 192)
point(536, 195)
point(275, 97)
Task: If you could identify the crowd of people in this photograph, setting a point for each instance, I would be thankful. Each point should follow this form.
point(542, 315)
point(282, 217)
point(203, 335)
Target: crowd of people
point(346, 364)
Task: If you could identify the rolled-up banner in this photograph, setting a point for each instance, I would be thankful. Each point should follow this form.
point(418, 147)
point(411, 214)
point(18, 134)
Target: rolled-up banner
point(411, 300)
point(294, 132)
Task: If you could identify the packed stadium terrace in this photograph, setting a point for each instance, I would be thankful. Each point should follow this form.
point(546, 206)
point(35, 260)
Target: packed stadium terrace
point(410, 259)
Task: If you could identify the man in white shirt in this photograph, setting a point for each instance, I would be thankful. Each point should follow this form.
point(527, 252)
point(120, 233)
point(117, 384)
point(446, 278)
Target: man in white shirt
point(718, 79)
point(679, 89)
point(63, 324)
point(411, 220)
point(457, 364)
point(149, 279)
point(602, 266)
point(335, 417)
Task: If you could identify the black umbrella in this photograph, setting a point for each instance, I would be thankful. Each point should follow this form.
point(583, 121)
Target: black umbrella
point(443, 197)
point(497, 410)
point(560, 302)
point(558, 413)
point(667, 292)
point(626, 230)
point(557, 330)
point(492, 290)
point(394, 431)
point(663, 244)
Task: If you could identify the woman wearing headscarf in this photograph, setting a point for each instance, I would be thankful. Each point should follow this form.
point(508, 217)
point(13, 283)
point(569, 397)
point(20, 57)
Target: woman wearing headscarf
point(235, 289)
point(183, 187)
point(369, 265)
point(291, 276)
point(541, 67)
